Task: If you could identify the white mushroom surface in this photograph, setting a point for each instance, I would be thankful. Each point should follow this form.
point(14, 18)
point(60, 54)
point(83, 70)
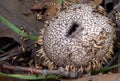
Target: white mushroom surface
point(79, 37)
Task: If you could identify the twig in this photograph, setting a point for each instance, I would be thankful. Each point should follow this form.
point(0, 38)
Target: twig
point(112, 60)
point(14, 52)
point(7, 46)
point(116, 7)
point(1, 51)
point(60, 71)
point(11, 54)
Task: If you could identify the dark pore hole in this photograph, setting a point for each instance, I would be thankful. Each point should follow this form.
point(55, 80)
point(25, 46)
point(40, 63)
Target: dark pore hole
point(72, 29)
point(43, 10)
point(109, 6)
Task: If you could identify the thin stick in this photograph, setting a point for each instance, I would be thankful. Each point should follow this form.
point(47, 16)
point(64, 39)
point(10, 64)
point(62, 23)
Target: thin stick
point(11, 54)
point(14, 52)
point(60, 71)
point(112, 60)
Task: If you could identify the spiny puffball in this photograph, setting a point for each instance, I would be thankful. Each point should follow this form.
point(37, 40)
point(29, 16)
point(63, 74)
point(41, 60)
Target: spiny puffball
point(79, 38)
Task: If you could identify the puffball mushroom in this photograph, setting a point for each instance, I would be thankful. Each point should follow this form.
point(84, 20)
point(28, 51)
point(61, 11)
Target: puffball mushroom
point(79, 38)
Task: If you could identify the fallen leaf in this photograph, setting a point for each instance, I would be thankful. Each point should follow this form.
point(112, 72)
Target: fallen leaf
point(96, 2)
point(48, 8)
point(103, 77)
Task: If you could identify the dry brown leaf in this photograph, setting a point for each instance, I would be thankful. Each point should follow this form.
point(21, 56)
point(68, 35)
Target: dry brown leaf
point(78, 1)
point(48, 8)
point(96, 2)
point(105, 77)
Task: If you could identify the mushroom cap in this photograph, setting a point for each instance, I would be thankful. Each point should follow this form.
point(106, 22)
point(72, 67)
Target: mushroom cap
point(78, 36)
